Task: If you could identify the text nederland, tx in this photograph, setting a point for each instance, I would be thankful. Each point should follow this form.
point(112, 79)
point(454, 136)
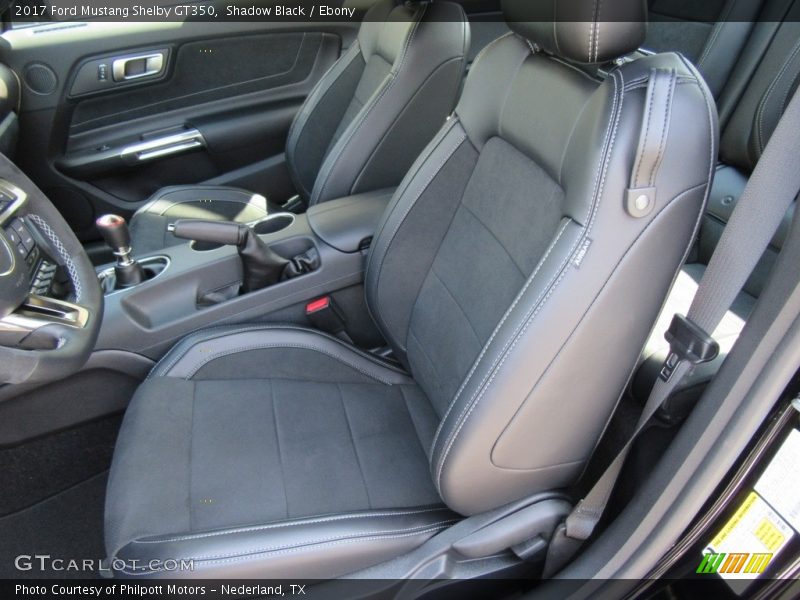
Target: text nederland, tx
point(142, 590)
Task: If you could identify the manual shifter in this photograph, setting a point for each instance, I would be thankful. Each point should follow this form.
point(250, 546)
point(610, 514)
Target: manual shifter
point(261, 265)
point(115, 232)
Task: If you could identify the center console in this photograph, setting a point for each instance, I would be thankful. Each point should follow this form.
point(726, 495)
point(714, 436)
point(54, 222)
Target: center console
point(203, 283)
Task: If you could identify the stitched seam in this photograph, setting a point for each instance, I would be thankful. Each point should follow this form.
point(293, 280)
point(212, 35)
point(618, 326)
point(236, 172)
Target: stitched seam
point(206, 334)
point(455, 301)
point(516, 300)
point(394, 123)
point(664, 131)
point(636, 83)
point(355, 446)
point(312, 102)
point(597, 31)
point(591, 30)
point(191, 454)
point(550, 248)
point(368, 112)
point(432, 147)
point(213, 357)
point(424, 353)
point(619, 93)
point(278, 445)
point(231, 200)
point(339, 67)
point(647, 121)
point(283, 525)
point(445, 159)
point(785, 99)
point(355, 537)
point(334, 542)
point(62, 251)
point(762, 107)
point(715, 34)
point(486, 48)
point(411, 418)
point(507, 95)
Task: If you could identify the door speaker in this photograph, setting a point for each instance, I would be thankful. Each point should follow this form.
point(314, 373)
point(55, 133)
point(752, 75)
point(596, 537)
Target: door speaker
point(41, 79)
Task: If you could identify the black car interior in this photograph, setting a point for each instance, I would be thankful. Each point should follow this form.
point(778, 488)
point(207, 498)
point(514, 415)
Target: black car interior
point(351, 285)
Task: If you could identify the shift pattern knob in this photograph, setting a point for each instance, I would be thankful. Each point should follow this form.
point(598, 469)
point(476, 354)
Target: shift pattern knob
point(115, 232)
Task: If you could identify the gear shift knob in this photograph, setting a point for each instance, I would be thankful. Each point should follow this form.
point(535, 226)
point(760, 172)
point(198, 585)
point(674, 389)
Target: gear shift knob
point(115, 232)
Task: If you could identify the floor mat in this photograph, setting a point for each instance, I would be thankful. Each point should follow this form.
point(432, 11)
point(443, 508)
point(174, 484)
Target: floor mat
point(46, 466)
point(66, 526)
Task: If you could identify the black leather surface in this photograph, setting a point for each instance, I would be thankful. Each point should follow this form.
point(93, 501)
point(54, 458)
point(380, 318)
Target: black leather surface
point(494, 274)
point(365, 121)
point(583, 31)
point(346, 223)
point(233, 529)
point(149, 225)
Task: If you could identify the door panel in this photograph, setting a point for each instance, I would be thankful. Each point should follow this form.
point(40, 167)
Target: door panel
point(217, 110)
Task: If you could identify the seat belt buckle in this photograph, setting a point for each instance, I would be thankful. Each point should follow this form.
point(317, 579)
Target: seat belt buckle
point(687, 342)
point(325, 315)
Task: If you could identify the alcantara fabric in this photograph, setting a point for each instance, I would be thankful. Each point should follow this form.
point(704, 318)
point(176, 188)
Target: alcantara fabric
point(263, 436)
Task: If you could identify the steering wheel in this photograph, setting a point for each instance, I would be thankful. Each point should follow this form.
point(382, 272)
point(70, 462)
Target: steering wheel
point(42, 339)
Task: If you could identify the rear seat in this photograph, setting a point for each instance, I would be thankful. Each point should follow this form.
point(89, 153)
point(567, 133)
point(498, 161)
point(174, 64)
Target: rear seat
point(711, 34)
point(743, 139)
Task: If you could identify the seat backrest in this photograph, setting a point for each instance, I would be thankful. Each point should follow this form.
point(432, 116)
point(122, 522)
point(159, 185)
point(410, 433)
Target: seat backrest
point(711, 34)
point(374, 111)
point(507, 274)
point(765, 98)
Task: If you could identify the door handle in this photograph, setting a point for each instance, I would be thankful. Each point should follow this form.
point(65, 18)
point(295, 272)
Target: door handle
point(163, 146)
point(127, 68)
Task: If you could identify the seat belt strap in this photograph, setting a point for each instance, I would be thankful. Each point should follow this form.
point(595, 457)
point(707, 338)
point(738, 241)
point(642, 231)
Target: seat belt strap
point(764, 202)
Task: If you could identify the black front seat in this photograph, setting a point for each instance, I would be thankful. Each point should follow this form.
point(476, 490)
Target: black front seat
point(514, 287)
point(360, 128)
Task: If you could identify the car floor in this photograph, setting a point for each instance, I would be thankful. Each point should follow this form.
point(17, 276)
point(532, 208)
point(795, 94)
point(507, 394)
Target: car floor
point(51, 502)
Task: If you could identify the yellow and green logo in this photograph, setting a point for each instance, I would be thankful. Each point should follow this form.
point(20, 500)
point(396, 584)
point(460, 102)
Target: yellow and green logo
point(734, 562)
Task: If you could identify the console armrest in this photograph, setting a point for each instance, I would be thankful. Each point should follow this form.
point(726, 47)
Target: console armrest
point(345, 223)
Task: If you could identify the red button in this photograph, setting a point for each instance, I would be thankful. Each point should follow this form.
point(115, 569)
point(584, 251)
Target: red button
point(318, 305)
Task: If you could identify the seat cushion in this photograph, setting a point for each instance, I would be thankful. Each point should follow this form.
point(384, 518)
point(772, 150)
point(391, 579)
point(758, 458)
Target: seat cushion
point(655, 352)
point(218, 203)
point(250, 450)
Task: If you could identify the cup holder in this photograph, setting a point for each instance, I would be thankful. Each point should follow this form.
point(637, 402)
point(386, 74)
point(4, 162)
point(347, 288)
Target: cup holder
point(273, 223)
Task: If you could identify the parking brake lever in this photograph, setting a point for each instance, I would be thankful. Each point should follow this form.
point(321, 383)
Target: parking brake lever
point(261, 265)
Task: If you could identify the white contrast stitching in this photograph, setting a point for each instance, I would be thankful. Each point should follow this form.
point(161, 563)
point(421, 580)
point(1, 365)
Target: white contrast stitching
point(763, 104)
point(71, 268)
point(368, 111)
point(204, 335)
point(297, 523)
point(288, 550)
point(619, 94)
point(265, 346)
point(510, 310)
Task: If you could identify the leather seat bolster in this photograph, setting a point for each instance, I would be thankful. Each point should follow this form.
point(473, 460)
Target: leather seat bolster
point(200, 349)
point(319, 547)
